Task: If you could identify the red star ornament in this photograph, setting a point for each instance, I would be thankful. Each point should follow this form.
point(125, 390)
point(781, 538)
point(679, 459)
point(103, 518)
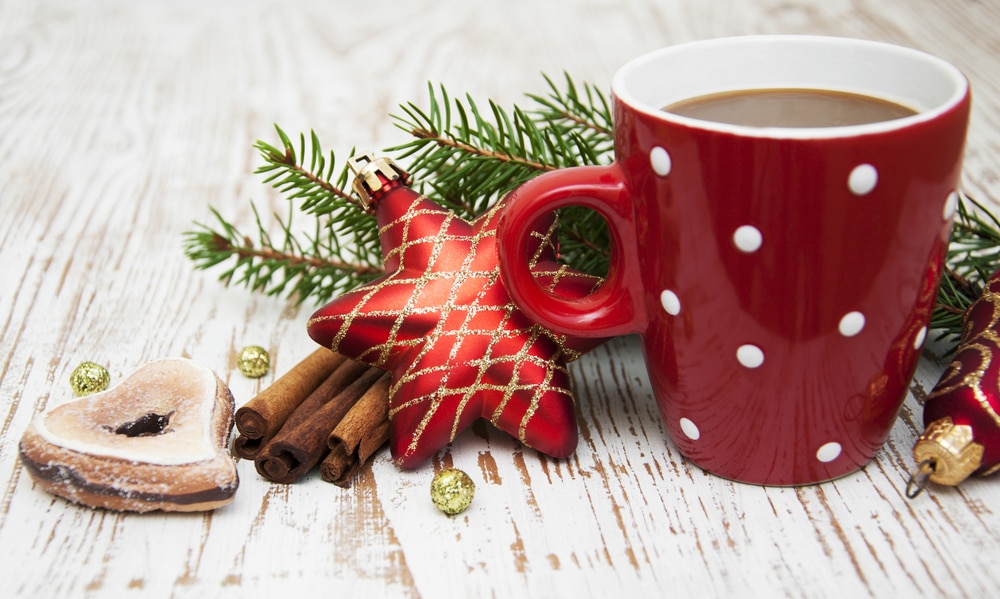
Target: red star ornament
point(441, 321)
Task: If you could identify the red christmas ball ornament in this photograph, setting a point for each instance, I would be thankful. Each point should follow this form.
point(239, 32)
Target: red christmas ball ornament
point(962, 413)
point(441, 321)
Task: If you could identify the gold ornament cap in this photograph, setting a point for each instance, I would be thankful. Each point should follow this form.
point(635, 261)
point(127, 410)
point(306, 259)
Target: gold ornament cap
point(949, 451)
point(366, 168)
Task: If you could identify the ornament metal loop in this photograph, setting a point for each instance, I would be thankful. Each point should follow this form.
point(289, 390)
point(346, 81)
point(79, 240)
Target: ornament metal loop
point(919, 477)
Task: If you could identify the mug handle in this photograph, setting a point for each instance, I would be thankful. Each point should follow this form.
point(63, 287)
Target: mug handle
point(616, 308)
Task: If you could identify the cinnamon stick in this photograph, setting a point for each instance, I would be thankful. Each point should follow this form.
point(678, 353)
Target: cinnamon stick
point(302, 442)
point(263, 416)
point(247, 448)
point(339, 379)
point(341, 466)
point(343, 375)
point(363, 430)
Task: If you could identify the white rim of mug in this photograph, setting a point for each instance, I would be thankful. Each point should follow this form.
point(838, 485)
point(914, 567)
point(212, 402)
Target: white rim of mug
point(624, 94)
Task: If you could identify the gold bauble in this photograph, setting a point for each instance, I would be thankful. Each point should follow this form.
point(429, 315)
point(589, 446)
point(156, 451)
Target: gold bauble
point(253, 361)
point(452, 491)
point(88, 378)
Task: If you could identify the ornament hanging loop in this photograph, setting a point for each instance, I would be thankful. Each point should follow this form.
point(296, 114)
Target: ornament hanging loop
point(919, 477)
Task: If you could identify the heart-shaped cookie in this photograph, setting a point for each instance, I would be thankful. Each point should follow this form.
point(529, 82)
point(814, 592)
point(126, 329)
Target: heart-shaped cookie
point(157, 441)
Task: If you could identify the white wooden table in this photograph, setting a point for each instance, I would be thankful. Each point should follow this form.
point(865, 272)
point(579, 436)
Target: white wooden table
point(121, 122)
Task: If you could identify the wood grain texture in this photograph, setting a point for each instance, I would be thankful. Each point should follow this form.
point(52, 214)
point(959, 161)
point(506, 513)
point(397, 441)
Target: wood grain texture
point(121, 122)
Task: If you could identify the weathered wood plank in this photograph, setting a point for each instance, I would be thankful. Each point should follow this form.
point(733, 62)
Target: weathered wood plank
point(121, 122)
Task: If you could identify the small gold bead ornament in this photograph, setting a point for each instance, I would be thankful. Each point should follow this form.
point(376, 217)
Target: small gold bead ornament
point(452, 491)
point(89, 378)
point(253, 361)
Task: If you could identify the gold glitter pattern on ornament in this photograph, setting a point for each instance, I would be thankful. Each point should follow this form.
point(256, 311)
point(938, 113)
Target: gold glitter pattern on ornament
point(985, 342)
point(253, 361)
point(89, 378)
point(452, 491)
point(947, 452)
point(442, 322)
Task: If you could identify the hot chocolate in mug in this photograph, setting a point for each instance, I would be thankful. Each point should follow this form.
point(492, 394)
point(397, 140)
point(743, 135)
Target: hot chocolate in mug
point(781, 275)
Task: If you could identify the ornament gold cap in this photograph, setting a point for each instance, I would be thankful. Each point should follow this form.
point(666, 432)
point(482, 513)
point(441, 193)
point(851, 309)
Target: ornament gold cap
point(949, 450)
point(367, 168)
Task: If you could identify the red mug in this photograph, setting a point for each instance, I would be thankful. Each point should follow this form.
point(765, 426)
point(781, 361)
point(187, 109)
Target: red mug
point(782, 278)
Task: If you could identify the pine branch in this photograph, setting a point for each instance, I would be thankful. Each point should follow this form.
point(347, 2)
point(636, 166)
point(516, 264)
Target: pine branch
point(299, 270)
point(973, 256)
point(466, 157)
point(469, 159)
point(323, 191)
point(340, 253)
point(588, 115)
point(315, 185)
